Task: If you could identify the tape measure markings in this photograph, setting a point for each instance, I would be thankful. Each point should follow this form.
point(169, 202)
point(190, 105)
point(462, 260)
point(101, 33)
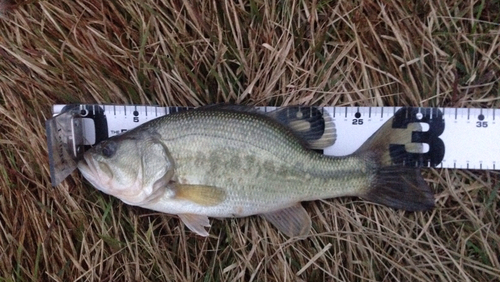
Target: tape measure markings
point(470, 134)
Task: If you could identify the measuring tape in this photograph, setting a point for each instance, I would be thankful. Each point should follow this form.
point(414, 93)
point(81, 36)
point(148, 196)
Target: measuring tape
point(459, 138)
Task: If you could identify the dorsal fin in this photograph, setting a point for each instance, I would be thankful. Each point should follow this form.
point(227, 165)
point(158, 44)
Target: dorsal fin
point(315, 128)
point(309, 124)
point(230, 107)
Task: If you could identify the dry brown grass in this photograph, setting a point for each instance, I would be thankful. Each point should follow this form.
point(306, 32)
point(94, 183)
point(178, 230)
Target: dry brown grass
point(261, 52)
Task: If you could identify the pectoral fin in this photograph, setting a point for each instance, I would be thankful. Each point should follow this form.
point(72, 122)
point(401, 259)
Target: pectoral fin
point(292, 221)
point(202, 195)
point(196, 223)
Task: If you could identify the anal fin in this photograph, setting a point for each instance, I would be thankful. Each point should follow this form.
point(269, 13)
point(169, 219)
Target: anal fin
point(292, 221)
point(196, 223)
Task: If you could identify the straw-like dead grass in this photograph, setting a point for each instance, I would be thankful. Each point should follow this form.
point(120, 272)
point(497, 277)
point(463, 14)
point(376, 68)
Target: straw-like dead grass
point(261, 52)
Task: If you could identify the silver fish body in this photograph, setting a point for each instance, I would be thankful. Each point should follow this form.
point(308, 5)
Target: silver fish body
point(261, 166)
point(225, 162)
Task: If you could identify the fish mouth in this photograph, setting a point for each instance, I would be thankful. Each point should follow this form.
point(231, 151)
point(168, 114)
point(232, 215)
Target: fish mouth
point(88, 168)
point(84, 167)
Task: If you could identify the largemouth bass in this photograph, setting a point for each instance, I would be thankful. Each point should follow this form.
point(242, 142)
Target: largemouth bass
point(232, 161)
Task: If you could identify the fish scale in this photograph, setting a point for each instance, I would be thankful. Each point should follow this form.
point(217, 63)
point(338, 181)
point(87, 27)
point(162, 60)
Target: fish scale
point(257, 184)
point(230, 161)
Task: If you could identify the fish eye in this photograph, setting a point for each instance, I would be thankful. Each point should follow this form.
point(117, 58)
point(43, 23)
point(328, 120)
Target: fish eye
point(109, 149)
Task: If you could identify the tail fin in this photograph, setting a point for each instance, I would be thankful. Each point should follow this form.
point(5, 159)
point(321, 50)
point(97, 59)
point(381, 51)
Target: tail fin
point(395, 186)
point(400, 188)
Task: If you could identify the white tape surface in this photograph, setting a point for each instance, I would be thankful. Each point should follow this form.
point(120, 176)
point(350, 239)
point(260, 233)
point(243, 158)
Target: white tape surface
point(471, 136)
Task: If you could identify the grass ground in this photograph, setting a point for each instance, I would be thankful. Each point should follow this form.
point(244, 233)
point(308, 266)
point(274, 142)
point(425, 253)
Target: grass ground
point(260, 52)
